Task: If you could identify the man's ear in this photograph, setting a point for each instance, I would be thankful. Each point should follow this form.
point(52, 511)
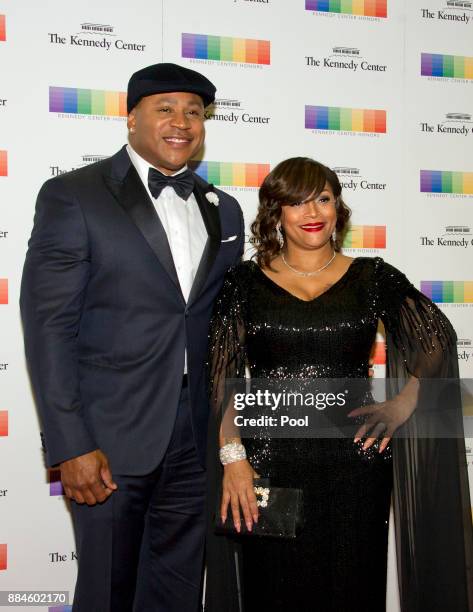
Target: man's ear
point(131, 121)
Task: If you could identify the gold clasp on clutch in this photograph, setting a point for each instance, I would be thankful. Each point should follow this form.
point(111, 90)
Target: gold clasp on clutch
point(264, 492)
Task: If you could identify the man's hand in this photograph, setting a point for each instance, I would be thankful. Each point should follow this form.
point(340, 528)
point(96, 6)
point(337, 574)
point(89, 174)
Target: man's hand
point(87, 478)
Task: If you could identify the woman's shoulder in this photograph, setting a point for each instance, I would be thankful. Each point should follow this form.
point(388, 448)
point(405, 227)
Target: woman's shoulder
point(376, 266)
point(368, 263)
point(384, 274)
point(243, 270)
point(389, 283)
point(365, 268)
point(246, 265)
point(240, 275)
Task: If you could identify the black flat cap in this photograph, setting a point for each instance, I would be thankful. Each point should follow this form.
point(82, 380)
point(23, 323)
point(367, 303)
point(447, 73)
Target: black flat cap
point(163, 78)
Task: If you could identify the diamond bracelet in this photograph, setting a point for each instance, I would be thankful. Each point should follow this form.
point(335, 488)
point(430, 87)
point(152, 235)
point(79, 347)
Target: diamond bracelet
point(234, 451)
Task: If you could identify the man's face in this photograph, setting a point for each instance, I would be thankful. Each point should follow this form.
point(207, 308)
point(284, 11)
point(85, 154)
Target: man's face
point(167, 129)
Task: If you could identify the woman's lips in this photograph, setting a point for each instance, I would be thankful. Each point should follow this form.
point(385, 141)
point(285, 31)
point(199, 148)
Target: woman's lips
point(312, 227)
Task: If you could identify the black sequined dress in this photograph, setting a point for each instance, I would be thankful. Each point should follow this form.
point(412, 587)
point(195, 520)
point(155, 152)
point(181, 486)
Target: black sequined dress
point(338, 563)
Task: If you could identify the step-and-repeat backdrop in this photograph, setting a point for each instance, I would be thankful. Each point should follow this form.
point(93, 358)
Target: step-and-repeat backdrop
point(380, 90)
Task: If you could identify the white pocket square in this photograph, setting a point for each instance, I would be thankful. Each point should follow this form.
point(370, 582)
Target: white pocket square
point(230, 239)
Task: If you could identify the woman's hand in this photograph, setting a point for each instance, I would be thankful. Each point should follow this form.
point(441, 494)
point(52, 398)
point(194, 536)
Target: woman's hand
point(386, 417)
point(238, 490)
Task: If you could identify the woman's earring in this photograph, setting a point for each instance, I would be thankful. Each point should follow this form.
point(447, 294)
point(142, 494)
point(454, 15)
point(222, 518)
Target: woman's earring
point(334, 236)
point(280, 234)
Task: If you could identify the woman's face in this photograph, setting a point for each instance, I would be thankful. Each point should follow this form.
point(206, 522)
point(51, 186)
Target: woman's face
point(310, 224)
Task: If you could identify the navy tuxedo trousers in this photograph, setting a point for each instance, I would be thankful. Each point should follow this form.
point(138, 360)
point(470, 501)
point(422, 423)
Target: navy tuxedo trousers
point(142, 549)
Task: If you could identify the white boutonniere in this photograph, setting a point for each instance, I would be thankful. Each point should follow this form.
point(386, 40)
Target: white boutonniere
point(212, 197)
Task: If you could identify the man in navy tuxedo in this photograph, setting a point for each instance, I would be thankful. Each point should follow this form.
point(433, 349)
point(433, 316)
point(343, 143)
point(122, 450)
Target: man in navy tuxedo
point(124, 263)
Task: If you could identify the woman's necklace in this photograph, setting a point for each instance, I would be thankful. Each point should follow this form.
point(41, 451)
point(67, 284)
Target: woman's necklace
point(308, 273)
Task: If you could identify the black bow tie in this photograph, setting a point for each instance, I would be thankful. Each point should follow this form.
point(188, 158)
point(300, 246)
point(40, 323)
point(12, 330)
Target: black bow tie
point(183, 183)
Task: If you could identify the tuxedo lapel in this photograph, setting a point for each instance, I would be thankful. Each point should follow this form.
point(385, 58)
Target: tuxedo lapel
point(210, 215)
point(127, 187)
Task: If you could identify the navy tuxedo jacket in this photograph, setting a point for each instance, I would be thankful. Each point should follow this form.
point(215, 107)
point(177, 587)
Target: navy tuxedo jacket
point(105, 321)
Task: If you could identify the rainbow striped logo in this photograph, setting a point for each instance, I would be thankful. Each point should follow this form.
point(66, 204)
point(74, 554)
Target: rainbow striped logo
point(443, 181)
point(448, 66)
point(3, 163)
point(368, 8)
point(3, 290)
point(87, 101)
point(55, 484)
point(3, 557)
point(231, 174)
point(345, 119)
point(365, 237)
point(3, 28)
point(226, 49)
point(448, 292)
point(3, 423)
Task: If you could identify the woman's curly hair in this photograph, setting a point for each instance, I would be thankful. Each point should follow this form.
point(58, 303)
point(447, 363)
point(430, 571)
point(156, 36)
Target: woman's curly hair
point(293, 180)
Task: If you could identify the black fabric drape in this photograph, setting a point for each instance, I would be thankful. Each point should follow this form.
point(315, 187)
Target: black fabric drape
point(227, 361)
point(432, 509)
point(434, 534)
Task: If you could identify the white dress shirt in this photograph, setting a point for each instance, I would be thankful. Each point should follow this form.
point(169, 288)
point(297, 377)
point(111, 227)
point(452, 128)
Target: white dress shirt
point(183, 224)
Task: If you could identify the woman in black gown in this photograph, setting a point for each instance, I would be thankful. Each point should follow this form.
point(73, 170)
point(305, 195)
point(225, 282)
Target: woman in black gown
point(303, 310)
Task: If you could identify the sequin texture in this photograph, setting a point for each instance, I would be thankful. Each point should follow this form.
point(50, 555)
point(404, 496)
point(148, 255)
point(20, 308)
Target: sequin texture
point(347, 490)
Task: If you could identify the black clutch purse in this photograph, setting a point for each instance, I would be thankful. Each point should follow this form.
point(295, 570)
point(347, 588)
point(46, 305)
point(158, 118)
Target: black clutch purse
point(280, 513)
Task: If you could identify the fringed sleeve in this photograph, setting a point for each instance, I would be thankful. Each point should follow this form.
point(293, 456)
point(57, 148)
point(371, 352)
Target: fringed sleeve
point(434, 536)
point(227, 360)
point(227, 354)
